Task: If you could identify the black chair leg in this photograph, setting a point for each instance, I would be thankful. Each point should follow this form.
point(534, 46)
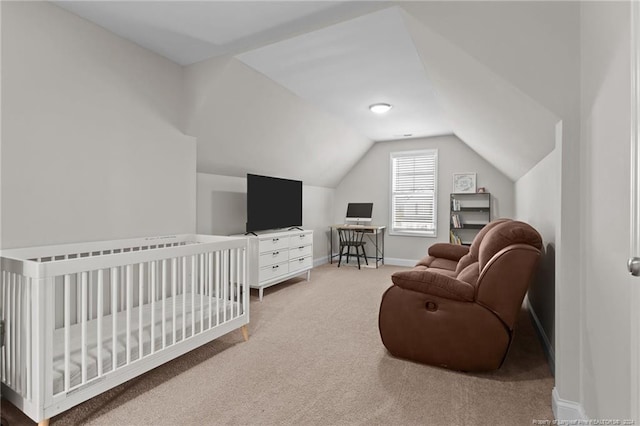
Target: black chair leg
point(364, 255)
point(340, 255)
point(358, 257)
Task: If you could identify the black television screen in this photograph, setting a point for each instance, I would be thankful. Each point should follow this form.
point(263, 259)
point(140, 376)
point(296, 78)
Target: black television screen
point(273, 203)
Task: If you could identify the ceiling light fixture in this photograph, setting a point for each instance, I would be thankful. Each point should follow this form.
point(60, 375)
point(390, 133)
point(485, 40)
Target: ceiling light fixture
point(380, 108)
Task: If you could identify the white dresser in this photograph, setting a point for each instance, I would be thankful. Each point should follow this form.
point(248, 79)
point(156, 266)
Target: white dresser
point(278, 256)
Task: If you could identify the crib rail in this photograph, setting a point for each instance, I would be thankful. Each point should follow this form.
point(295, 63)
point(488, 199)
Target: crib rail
point(79, 314)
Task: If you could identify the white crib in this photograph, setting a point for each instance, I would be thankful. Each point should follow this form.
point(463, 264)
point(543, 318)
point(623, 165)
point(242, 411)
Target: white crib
point(80, 319)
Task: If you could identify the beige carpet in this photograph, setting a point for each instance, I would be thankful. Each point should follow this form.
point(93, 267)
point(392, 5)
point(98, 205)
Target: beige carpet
point(315, 357)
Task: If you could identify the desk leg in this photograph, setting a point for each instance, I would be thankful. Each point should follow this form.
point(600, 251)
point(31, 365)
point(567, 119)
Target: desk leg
point(377, 256)
point(383, 245)
point(330, 246)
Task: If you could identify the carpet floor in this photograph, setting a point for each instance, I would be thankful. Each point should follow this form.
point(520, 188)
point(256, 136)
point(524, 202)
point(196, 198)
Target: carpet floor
point(314, 357)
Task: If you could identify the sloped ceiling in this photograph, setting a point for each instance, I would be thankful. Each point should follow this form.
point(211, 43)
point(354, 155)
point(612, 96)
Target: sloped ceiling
point(346, 67)
point(497, 120)
point(299, 109)
point(246, 123)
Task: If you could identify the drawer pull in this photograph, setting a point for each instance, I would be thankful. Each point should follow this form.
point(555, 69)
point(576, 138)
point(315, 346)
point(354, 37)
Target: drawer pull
point(301, 259)
point(300, 248)
point(275, 253)
point(275, 266)
point(275, 240)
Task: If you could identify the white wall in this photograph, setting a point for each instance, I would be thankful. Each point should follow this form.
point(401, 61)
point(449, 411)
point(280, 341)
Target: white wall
point(222, 209)
point(369, 181)
point(537, 202)
point(605, 289)
point(91, 145)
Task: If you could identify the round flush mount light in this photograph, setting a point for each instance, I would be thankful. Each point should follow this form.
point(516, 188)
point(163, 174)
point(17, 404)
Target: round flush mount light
point(380, 108)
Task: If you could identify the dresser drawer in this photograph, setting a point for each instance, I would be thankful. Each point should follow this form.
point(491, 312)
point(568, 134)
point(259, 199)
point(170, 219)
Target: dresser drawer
point(302, 251)
point(300, 263)
point(273, 271)
point(273, 257)
point(301, 239)
point(273, 243)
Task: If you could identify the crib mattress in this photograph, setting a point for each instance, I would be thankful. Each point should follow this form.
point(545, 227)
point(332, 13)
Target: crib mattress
point(183, 321)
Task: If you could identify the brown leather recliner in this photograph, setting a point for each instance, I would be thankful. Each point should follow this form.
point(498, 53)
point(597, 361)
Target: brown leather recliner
point(462, 322)
point(450, 259)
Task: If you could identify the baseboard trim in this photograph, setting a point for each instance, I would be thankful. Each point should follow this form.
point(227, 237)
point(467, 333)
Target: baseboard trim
point(320, 261)
point(400, 262)
point(387, 261)
point(547, 347)
point(566, 410)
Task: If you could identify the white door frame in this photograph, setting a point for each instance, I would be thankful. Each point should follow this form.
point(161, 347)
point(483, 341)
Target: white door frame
point(635, 209)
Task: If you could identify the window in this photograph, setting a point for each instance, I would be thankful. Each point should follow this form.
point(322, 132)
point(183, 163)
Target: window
point(413, 192)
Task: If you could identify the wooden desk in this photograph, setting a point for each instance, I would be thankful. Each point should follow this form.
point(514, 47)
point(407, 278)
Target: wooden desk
point(371, 232)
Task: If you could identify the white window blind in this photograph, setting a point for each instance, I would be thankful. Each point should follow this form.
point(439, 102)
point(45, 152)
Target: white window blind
point(413, 192)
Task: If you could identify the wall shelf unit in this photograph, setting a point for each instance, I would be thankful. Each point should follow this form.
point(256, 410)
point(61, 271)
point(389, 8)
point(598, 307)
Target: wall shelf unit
point(469, 213)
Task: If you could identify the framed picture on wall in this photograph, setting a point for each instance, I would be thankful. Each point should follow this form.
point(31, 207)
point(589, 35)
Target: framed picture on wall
point(464, 183)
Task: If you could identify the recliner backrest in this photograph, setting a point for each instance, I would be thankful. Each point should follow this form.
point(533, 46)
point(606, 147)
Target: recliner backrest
point(507, 259)
point(472, 256)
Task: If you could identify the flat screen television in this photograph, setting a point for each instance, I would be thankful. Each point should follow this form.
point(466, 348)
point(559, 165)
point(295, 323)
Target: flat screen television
point(273, 203)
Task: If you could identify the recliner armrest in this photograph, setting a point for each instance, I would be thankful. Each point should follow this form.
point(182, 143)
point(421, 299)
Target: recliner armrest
point(448, 251)
point(428, 282)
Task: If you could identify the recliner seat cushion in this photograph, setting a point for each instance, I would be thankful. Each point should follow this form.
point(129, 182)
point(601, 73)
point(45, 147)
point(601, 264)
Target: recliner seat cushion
point(470, 274)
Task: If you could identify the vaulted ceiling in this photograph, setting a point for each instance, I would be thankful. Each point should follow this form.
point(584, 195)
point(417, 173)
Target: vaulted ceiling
point(271, 85)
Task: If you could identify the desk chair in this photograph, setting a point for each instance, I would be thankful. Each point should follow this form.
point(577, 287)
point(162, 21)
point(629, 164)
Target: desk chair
point(351, 238)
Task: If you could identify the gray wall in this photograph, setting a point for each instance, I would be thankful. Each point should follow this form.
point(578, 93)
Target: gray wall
point(369, 181)
point(537, 203)
point(91, 145)
point(222, 209)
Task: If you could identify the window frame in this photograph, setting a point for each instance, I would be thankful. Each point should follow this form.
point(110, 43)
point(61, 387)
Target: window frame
point(413, 233)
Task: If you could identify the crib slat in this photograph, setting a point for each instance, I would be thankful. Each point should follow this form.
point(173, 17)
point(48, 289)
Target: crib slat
point(164, 307)
point(201, 288)
point(245, 296)
point(77, 295)
point(140, 310)
point(19, 358)
point(67, 331)
point(122, 305)
point(152, 283)
point(114, 318)
point(193, 295)
point(99, 314)
point(184, 298)
point(5, 316)
point(3, 286)
point(237, 282)
point(6, 282)
point(29, 334)
point(225, 283)
point(217, 288)
point(83, 332)
point(210, 282)
point(90, 298)
point(230, 284)
point(11, 328)
point(128, 289)
point(174, 278)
